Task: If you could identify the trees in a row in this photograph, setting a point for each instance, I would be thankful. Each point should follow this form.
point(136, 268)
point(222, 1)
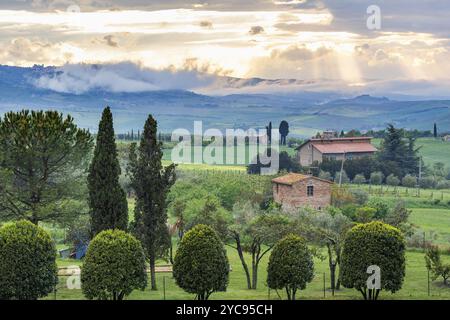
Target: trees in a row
point(149, 180)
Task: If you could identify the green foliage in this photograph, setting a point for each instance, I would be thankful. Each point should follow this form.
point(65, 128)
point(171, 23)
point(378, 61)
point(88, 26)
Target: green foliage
point(27, 262)
point(398, 153)
point(344, 179)
point(359, 179)
point(42, 162)
point(365, 214)
point(286, 163)
point(201, 265)
point(151, 183)
point(427, 182)
point(381, 206)
point(107, 200)
point(435, 265)
point(291, 266)
point(79, 231)
point(374, 243)
point(376, 178)
point(207, 211)
point(398, 217)
point(114, 266)
point(228, 187)
point(409, 181)
point(443, 184)
point(360, 196)
point(326, 228)
point(392, 180)
point(256, 232)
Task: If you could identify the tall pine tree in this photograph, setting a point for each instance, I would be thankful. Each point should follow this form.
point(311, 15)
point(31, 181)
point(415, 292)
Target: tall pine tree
point(107, 200)
point(151, 183)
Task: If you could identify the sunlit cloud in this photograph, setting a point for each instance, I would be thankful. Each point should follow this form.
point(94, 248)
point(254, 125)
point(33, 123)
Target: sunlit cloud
point(279, 39)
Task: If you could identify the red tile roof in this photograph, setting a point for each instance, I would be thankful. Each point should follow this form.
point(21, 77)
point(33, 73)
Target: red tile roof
point(293, 178)
point(344, 147)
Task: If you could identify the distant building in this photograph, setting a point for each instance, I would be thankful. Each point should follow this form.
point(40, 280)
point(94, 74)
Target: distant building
point(446, 138)
point(328, 146)
point(295, 190)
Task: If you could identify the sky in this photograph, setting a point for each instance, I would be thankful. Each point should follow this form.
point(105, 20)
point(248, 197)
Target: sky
point(272, 39)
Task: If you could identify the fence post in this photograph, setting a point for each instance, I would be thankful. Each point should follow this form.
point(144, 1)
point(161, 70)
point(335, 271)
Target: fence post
point(164, 287)
point(324, 286)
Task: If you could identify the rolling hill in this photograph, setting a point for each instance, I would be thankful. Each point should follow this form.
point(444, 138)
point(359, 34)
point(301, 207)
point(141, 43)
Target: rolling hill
point(306, 111)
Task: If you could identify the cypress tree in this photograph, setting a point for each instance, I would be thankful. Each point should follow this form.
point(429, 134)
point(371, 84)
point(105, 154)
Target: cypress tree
point(435, 131)
point(151, 183)
point(107, 200)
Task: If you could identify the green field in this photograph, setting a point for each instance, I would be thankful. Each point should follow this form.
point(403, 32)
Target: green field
point(415, 284)
point(432, 150)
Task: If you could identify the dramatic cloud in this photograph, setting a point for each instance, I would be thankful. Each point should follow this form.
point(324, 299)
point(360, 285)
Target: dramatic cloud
point(274, 39)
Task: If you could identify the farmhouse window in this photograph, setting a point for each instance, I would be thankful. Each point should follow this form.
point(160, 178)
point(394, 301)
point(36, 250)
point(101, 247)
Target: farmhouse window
point(310, 191)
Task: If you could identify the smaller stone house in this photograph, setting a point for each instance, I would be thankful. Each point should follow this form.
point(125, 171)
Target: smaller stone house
point(446, 138)
point(295, 190)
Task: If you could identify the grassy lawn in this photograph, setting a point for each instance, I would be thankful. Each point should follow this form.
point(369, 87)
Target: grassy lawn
point(433, 220)
point(415, 285)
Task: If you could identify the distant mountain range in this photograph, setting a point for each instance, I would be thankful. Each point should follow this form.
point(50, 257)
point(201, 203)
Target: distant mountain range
point(307, 112)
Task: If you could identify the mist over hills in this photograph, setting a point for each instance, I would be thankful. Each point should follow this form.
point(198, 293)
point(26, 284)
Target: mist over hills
point(177, 99)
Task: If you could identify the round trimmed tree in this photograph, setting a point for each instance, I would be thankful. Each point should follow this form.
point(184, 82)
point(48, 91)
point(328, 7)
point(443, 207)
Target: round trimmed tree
point(114, 266)
point(201, 265)
point(291, 266)
point(373, 244)
point(28, 268)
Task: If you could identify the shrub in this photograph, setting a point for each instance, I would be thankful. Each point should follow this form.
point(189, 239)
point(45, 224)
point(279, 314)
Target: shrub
point(345, 178)
point(28, 268)
point(113, 267)
point(359, 179)
point(201, 264)
point(381, 206)
point(360, 196)
point(349, 211)
point(376, 178)
point(443, 184)
point(291, 266)
point(427, 183)
point(409, 181)
point(378, 244)
point(434, 264)
point(392, 180)
point(207, 211)
point(365, 214)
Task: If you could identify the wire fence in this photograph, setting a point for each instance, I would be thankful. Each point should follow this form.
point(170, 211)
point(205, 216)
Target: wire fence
point(69, 288)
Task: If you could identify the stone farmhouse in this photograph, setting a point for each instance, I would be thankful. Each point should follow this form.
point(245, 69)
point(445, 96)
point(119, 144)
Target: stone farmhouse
point(294, 190)
point(330, 147)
